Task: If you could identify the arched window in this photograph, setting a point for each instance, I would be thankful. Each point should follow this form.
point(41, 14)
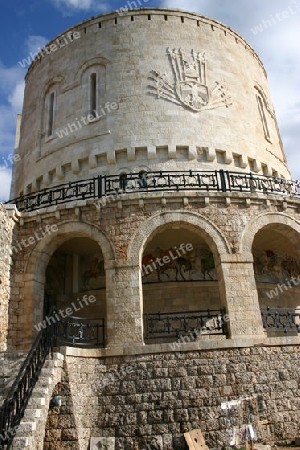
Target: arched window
point(93, 94)
point(262, 113)
point(51, 114)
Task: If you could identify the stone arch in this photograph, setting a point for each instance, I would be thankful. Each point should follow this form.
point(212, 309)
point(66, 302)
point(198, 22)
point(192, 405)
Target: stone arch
point(97, 61)
point(282, 221)
point(273, 241)
point(39, 259)
point(210, 232)
point(59, 80)
point(193, 224)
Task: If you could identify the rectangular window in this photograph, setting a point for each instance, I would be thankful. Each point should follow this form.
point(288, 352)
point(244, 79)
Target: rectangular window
point(51, 115)
point(93, 94)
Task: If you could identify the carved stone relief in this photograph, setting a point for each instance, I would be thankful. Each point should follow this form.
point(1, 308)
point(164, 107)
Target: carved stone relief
point(191, 88)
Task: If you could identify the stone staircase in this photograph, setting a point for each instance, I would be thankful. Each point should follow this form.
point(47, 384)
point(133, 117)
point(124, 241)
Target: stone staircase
point(30, 432)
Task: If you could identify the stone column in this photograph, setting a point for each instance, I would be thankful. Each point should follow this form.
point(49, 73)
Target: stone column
point(239, 294)
point(124, 322)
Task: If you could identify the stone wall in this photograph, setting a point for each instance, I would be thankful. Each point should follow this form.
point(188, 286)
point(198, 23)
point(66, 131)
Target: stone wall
point(153, 399)
point(6, 229)
point(60, 430)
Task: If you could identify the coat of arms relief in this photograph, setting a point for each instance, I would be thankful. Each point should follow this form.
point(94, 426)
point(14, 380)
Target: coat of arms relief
point(191, 88)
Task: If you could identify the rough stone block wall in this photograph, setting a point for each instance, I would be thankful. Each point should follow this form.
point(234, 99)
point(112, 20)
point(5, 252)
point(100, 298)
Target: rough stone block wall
point(6, 228)
point(153, 399)
point(60, 430)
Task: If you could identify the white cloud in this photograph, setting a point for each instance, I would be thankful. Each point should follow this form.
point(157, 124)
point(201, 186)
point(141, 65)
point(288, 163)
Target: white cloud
point(5, 180)
point(17, 96)
point(11, 95)
point(11, 102)
point(9, 78)
point(34, 43)
point(69, 7)
point(276, 45)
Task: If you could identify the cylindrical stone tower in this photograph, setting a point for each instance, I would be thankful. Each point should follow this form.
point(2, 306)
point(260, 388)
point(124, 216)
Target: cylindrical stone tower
point(165, 90)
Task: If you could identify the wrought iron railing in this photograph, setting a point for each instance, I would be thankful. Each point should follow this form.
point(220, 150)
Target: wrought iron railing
point(81, 332)
point(281, 320)
point(19, 394)
point(176, 325)
point(75, 331)
point(115, 185)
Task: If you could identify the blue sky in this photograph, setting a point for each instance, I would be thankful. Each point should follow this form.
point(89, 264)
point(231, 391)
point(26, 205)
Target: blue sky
point(27, 25)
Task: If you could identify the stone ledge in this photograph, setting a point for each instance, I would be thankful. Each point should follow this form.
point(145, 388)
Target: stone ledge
point(246, 342)
point(169, 196)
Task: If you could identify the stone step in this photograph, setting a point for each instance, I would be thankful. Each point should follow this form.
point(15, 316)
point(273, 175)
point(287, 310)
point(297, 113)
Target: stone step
point(40, 391)
point(25, 429)
point(47, 372)
point(45, 382)
point(31, 414)
point(36, 402)
point(19, 443)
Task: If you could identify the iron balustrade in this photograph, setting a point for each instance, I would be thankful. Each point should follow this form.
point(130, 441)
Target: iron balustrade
point(75, 331)
point(192, 180)
point(81, 332)
point(175, 325)
point(19, 394)
point(281, 320)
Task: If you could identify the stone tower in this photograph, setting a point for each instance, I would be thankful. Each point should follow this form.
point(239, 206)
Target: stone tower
point(155, 215)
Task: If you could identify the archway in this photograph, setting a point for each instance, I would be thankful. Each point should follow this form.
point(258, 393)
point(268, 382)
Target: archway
point(180, 281)
point(38, 261)
point(276, 256)
point(75, 292)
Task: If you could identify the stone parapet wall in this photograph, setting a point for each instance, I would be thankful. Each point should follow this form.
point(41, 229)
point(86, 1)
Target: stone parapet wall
point(153, 399)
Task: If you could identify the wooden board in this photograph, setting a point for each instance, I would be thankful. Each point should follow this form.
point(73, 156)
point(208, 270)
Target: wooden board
point(195, 440)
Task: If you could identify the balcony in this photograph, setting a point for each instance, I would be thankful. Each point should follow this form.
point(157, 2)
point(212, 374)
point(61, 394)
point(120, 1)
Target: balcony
point(110, 187)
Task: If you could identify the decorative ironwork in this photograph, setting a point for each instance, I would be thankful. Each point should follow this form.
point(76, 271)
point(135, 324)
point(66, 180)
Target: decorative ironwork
point(192, 180)
point(281, 320)
point(19, 394)
point(81, 332)
point(174, 325)
point(63, 193)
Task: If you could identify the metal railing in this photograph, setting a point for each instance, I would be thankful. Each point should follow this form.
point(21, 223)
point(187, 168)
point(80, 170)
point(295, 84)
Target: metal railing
point(115, 185)
point(76, 331)
point(281, 320)
point(81, 332)
point(175, 325)
point(19, 394)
